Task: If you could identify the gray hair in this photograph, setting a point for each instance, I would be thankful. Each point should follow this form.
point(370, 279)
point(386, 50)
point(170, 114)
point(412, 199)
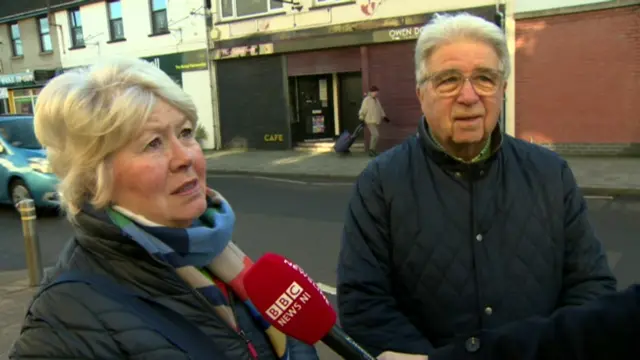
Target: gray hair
point(447, 28)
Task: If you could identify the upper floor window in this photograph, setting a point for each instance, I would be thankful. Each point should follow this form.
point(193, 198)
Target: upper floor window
point(159, 24)
point(116, 27)
point(242, 8)
point(16, 40)
point(75, 28)
point(45, 34)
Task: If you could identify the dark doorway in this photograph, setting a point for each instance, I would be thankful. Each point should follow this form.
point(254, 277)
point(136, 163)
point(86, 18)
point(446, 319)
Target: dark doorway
point(314, 108)
point(350, 90)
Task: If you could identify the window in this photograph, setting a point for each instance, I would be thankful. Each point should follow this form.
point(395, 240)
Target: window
point(159, 23)
point(242, 8)
point(45, 35)
point(75, 27)
point(24, 100)
point(116, 28)
point(16, 41)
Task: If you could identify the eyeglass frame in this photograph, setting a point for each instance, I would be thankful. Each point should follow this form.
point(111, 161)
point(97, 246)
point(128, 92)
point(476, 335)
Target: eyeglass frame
point(497, 72)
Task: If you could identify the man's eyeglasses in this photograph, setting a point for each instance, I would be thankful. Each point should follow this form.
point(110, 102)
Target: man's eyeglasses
point(450, 82)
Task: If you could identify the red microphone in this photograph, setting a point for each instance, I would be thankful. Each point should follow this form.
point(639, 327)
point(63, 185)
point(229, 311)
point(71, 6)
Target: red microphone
point(292, 302)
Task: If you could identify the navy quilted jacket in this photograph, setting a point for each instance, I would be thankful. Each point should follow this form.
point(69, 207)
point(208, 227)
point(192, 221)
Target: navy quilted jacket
point(434, 249)
point(74, 321)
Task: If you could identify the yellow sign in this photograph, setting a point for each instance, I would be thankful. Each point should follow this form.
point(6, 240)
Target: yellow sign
point(273, 138)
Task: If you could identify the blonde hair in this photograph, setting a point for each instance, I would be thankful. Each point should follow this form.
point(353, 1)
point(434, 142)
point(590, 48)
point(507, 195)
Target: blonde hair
point(446, 28)
point(84, 116)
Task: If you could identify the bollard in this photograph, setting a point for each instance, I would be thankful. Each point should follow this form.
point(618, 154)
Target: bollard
point(27, 211)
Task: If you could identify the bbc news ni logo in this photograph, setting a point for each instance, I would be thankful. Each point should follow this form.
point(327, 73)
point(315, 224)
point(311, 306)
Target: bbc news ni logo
point(288, 304)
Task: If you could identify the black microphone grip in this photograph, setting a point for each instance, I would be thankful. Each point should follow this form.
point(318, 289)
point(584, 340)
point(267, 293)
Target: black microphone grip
point(338, 341)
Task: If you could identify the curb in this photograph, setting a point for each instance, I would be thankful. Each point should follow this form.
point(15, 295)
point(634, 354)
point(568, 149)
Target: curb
point(281, 175)
point(609, 191)
point(586, 190)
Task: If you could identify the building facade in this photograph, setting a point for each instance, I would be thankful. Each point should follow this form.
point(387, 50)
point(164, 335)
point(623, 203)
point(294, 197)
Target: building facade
point(170, 34)
point(293, 73)
point(29, 54)
point(578, 75)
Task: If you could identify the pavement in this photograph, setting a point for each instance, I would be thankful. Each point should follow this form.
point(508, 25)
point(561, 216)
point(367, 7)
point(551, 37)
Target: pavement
point(606, 176)
point(298, 217)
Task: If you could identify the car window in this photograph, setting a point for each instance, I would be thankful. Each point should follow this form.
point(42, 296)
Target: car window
point(19, 133)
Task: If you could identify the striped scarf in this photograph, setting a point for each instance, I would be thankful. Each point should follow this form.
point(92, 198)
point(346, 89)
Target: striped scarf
point(205, 258)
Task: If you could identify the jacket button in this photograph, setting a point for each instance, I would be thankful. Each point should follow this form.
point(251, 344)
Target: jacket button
point(479, 237)
point(488, 310)
point(472, 344)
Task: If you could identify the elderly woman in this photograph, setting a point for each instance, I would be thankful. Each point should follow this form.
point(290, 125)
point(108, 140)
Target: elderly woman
point(120, 136)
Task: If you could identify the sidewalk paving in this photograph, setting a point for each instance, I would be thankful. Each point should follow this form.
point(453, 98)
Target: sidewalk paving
point(15, 295)
point(595, 175)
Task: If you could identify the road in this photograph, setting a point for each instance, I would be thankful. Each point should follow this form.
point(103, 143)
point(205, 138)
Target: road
point(303, 222)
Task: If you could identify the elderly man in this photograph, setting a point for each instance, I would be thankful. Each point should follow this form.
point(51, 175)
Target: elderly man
point(462, 228)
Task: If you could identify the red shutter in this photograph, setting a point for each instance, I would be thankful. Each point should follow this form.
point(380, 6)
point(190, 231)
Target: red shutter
point(392, 70)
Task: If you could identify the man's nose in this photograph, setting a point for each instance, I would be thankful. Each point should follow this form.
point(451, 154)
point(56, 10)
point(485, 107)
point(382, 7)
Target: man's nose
point(468, 94)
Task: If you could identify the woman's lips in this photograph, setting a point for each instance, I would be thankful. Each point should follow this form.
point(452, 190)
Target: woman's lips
point(188, 188)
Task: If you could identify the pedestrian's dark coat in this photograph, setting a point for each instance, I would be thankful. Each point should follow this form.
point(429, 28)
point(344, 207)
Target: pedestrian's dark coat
point(74, 321)
point(434, 249)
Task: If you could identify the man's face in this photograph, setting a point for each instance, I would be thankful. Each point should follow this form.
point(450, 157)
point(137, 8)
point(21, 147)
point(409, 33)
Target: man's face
point(374, 94)
point(462, 96)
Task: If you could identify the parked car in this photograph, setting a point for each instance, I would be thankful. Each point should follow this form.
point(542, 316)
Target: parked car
point(24, 169)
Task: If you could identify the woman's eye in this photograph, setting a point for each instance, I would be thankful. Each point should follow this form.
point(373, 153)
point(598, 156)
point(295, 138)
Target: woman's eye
point(154, 143)
point(187, 132)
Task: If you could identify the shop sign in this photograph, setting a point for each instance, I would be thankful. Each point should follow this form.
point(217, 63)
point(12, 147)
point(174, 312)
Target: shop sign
point(16, 79)
point(273, 138)
point(180, 62)
point(243, 51)
point(397, 34)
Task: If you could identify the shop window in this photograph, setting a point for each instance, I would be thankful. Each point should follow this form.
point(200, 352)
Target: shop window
point(16, 40)
point(116, 26)
point(45, 34)
point(159, 23)
point(75, 26)
point(247, 8)
point(24, 100)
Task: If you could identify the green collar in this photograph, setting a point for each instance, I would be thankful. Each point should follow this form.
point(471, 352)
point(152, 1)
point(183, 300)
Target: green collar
point(484, 153)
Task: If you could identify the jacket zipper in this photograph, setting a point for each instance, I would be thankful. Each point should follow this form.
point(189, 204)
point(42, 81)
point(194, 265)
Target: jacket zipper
point(252, 349)
point(240, 333)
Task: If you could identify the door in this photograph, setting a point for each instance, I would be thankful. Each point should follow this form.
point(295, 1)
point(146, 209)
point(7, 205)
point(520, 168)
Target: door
point(315, 118)
point(350, 100)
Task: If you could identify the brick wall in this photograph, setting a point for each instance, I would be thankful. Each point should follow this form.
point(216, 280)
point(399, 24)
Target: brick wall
point(578, 81)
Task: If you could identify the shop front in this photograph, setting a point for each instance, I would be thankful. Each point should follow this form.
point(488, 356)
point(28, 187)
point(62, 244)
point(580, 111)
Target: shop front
point(327, 72)
point(19, 92)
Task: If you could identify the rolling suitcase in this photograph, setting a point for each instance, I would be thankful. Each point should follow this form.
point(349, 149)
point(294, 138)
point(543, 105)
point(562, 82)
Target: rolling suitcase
point(346, 139)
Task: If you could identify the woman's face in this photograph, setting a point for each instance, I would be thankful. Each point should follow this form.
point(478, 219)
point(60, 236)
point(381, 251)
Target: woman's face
point(161, 174)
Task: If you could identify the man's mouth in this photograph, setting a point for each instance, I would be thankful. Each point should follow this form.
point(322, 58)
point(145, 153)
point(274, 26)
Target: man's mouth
point(468, 117)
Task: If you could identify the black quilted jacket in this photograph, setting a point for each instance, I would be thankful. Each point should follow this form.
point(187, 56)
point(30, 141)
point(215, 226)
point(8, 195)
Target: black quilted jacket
point(73, 321)
point(434, 249)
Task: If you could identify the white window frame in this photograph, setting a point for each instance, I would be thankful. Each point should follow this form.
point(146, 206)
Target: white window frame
point(235, 11)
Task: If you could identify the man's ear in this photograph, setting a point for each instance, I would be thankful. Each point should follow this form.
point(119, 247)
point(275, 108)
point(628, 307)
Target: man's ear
point(505, 87)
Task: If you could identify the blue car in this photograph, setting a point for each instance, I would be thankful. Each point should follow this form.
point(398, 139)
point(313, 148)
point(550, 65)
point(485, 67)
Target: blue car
point(24, 169)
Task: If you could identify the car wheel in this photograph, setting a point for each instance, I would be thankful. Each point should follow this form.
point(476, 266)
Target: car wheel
point(19, 191)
